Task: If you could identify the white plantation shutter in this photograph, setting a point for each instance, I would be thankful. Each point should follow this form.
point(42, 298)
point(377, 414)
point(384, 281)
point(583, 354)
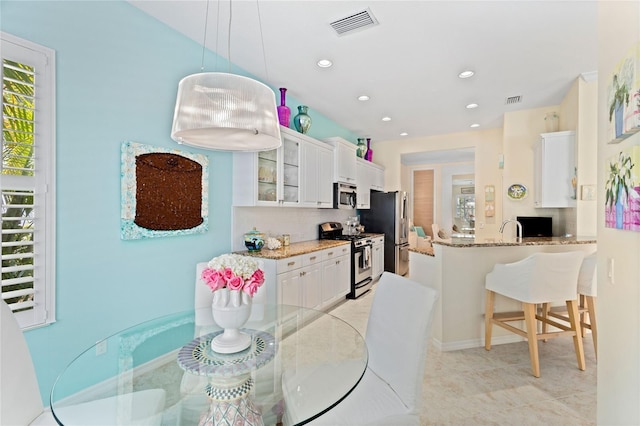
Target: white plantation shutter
point(27, 180)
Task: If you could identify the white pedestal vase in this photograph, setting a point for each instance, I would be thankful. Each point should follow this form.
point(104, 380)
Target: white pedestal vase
point(231, 310)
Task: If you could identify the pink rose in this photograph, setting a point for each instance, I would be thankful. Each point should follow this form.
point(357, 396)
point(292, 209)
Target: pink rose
point(235, 283)
point(251, 288)
point(227, 274)
point(254, 283)
point(213, 279)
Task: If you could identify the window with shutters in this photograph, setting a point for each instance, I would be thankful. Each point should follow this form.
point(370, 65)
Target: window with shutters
point(27, 180)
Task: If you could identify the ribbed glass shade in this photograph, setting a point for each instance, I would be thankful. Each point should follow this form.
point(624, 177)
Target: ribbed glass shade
point(225, 112)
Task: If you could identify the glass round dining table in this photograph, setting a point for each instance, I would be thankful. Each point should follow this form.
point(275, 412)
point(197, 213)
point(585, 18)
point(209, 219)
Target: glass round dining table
point(300, 364)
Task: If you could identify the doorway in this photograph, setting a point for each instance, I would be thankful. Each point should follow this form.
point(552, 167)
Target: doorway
point(423, 199)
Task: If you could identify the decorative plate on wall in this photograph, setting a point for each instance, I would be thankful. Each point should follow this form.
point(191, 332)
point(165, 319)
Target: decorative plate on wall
point(517, 191)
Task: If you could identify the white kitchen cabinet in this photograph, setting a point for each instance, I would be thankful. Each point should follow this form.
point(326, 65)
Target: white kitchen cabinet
point(370, 176)
point(316, 181)
point(363, 184)
point(377, 257)
point(288, 287)
point(344, 155)
point(298, 174)
point(377, 177)
point(268, 178)
point(554, 168)
point(316, 280)
point(336, 275)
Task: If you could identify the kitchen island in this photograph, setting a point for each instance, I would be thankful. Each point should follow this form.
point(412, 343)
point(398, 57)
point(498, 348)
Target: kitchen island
point(457, 269)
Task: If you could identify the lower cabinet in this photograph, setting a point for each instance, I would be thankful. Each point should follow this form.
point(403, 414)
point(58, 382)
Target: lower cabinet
point(377, 257)
point(336, 279)
point(316, 280)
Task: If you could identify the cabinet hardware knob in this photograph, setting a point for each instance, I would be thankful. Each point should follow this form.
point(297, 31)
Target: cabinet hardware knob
point(330, 253)
point(312, 258)
point(291, 263)
point(337, 262)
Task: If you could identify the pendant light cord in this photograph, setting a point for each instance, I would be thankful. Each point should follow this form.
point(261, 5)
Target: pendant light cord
point(204, 38)
point(229, 34)
point(264, 54)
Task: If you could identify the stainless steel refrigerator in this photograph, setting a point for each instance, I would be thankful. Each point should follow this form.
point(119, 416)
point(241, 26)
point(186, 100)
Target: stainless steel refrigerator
point(388, 216)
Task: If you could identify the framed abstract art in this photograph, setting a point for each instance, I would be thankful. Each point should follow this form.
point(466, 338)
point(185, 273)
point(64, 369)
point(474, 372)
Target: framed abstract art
point(163, 192)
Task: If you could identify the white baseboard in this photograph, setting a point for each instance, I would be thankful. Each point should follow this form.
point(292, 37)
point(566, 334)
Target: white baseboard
point(474, 343)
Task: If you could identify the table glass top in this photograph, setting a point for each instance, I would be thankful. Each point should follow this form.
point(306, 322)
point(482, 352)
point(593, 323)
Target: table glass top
point(172, 354)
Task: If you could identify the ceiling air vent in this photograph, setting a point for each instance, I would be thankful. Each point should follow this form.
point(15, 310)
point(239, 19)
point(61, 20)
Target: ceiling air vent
point(513, 100)
point(354, 22)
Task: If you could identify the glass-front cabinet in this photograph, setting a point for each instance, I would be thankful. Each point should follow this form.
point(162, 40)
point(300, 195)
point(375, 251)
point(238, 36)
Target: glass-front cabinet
point(268, 178)
point(291, 170)
point(298, 174)
point(268, 175)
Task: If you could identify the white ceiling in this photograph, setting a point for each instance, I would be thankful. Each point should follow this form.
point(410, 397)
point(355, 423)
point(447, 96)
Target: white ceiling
point(408, 63)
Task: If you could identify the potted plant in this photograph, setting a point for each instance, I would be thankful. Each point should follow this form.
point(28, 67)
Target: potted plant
point(618, 186)
point(620, 98)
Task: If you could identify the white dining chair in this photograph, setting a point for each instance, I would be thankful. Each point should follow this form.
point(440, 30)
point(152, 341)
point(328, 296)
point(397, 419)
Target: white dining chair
point(20, 401)
point(397, 339)
point(536, 280)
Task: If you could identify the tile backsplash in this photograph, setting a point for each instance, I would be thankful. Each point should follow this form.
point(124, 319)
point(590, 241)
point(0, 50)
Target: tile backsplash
point(300, 223)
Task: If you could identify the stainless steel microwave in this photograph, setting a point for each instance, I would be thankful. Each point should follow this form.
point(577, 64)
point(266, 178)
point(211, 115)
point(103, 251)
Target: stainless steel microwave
point(344, 196)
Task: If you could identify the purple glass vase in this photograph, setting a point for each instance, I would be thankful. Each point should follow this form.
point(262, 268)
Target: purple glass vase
point(369, 154)
point(284, 113)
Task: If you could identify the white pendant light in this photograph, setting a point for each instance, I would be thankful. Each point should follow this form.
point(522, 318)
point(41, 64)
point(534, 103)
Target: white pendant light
point(226, 112)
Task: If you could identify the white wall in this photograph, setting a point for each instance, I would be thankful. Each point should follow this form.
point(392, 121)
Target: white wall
point(618, 302)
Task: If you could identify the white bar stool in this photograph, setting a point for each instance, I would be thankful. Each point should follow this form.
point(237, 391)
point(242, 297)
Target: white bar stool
point(588, 291)
point(538, 279)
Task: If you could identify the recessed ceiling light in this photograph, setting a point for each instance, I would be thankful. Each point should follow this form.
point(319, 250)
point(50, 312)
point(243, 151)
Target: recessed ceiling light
point(404, 134)
point(466, 74)
point(386, 118)
point(324, 63)
point(475, 125)
point(363, 98)
point(471, 106)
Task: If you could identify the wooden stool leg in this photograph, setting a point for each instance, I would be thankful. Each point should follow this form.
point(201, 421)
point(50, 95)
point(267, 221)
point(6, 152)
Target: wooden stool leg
point(488, 316)
point(582, 314)
point(532, 336)
point(545, 313)
point(574, 319)
point(591, 307)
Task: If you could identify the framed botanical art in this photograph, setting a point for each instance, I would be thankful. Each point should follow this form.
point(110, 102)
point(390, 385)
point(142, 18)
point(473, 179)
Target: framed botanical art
point(622, 190)
point(623, 97)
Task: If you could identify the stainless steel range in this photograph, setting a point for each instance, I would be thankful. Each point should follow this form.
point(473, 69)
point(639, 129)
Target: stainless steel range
point(361, 273)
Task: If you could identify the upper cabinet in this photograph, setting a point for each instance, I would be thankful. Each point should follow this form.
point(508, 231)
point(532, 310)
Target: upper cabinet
point(555, 170)
point(298, 174)
point(316, 175)
point(344, 154)
point(370, 176)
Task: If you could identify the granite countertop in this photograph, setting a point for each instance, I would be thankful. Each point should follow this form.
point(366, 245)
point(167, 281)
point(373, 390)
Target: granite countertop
point(294, 249)
point(428, 251)
point(529, 241)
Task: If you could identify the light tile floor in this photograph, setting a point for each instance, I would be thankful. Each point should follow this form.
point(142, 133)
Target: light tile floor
point(479, 387)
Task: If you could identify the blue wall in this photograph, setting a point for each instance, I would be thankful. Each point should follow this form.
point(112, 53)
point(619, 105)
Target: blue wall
point(117, 75)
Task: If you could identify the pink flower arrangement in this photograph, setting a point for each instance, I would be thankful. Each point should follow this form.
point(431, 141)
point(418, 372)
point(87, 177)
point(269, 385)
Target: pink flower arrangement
point(235, 272)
